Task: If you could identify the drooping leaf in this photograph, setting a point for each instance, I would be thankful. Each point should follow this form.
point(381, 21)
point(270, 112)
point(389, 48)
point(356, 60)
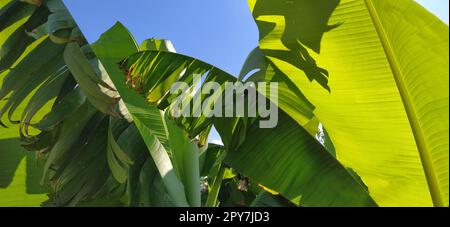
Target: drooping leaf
point(143, 74)
point(289, 160)
point(83, 74)
point(14, 11)
point(21, 93)
point(45, 94)
point(38, 57)
point(70, 131)
point(118, 160)
point(60, 23)
point(146, 70)
point(86, 158)
point(16, 43)
point(185, 156)
point(112, 47)
point(62, 110)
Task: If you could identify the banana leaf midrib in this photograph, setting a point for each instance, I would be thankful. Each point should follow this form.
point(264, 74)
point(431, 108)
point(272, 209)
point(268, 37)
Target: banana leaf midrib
point(424, 153)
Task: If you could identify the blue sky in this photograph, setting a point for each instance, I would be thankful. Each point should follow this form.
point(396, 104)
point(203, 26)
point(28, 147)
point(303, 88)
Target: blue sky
point(220, 32)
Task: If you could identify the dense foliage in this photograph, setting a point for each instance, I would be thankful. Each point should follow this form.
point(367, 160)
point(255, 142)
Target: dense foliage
point(362, 97)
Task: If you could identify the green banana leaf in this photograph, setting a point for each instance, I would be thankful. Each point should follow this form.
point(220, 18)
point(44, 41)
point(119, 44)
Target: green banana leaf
point(112, 47)
point(76, 87)
point(367, 87)
point(20, 172)
point(20, 175)
point(38, 90)
point(384, 95)
point(286, 167)
point(290, 161)
point(13, 11)
point(265, 199)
